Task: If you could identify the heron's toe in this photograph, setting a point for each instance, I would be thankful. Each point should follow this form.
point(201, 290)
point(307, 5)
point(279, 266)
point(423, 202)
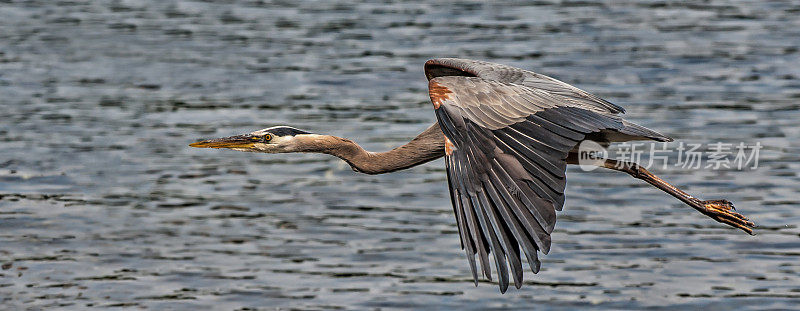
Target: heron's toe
point(723, 211)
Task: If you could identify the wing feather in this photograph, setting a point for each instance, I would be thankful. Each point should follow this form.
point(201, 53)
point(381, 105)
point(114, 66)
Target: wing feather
point(477, 237)
point(549, 164)
point(512, 131)
point(494, 246)
point(552, 184)
point(517, 233)
point(560, 130)
point(533, 230)
point(509, 244)
point(467, 243)
point(543, 134)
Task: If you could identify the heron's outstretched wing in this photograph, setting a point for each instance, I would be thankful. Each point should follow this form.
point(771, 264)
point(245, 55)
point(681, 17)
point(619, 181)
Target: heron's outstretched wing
point(506, 148)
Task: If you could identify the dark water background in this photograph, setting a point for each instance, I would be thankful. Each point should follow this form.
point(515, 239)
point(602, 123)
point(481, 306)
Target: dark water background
point(103, 204)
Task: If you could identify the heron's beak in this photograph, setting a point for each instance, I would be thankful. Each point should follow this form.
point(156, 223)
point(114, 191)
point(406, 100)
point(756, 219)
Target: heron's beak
point(238, 141)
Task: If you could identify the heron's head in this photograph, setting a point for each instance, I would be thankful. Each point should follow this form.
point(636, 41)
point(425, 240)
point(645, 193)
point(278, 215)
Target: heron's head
point(278, 139)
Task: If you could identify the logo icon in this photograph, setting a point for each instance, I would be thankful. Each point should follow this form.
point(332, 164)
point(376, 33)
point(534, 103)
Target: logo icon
point(591, 155)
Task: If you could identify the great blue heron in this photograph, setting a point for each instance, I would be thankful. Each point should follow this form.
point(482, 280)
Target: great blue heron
point(507, 135)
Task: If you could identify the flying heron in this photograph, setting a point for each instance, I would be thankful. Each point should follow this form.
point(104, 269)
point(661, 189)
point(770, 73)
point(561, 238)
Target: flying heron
point(507, 135)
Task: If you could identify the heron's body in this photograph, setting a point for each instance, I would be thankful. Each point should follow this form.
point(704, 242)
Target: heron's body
point(507, 135)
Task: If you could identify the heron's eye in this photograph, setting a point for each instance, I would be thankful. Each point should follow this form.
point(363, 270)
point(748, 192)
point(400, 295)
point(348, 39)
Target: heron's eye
point(267, 137)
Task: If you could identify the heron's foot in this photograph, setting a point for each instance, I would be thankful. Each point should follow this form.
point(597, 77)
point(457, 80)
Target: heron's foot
point(723, 211)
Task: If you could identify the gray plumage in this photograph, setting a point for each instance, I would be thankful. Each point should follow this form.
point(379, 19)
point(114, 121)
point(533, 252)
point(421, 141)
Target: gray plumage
point(512, 130)
point(507, 135)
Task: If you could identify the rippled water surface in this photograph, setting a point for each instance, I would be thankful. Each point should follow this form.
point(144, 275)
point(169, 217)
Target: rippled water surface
point(103, 204)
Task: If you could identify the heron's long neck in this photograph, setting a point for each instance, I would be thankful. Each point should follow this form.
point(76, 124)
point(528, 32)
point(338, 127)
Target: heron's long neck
point(427, 146)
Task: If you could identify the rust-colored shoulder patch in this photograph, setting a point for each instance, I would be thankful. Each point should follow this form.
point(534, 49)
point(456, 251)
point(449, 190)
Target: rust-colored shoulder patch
point(448, 146)
point(439, 93)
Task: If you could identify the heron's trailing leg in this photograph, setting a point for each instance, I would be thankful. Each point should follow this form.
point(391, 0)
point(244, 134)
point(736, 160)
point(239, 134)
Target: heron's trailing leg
point(719, 210)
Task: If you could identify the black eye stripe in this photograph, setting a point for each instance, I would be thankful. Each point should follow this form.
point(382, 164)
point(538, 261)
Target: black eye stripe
point(286, 131)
